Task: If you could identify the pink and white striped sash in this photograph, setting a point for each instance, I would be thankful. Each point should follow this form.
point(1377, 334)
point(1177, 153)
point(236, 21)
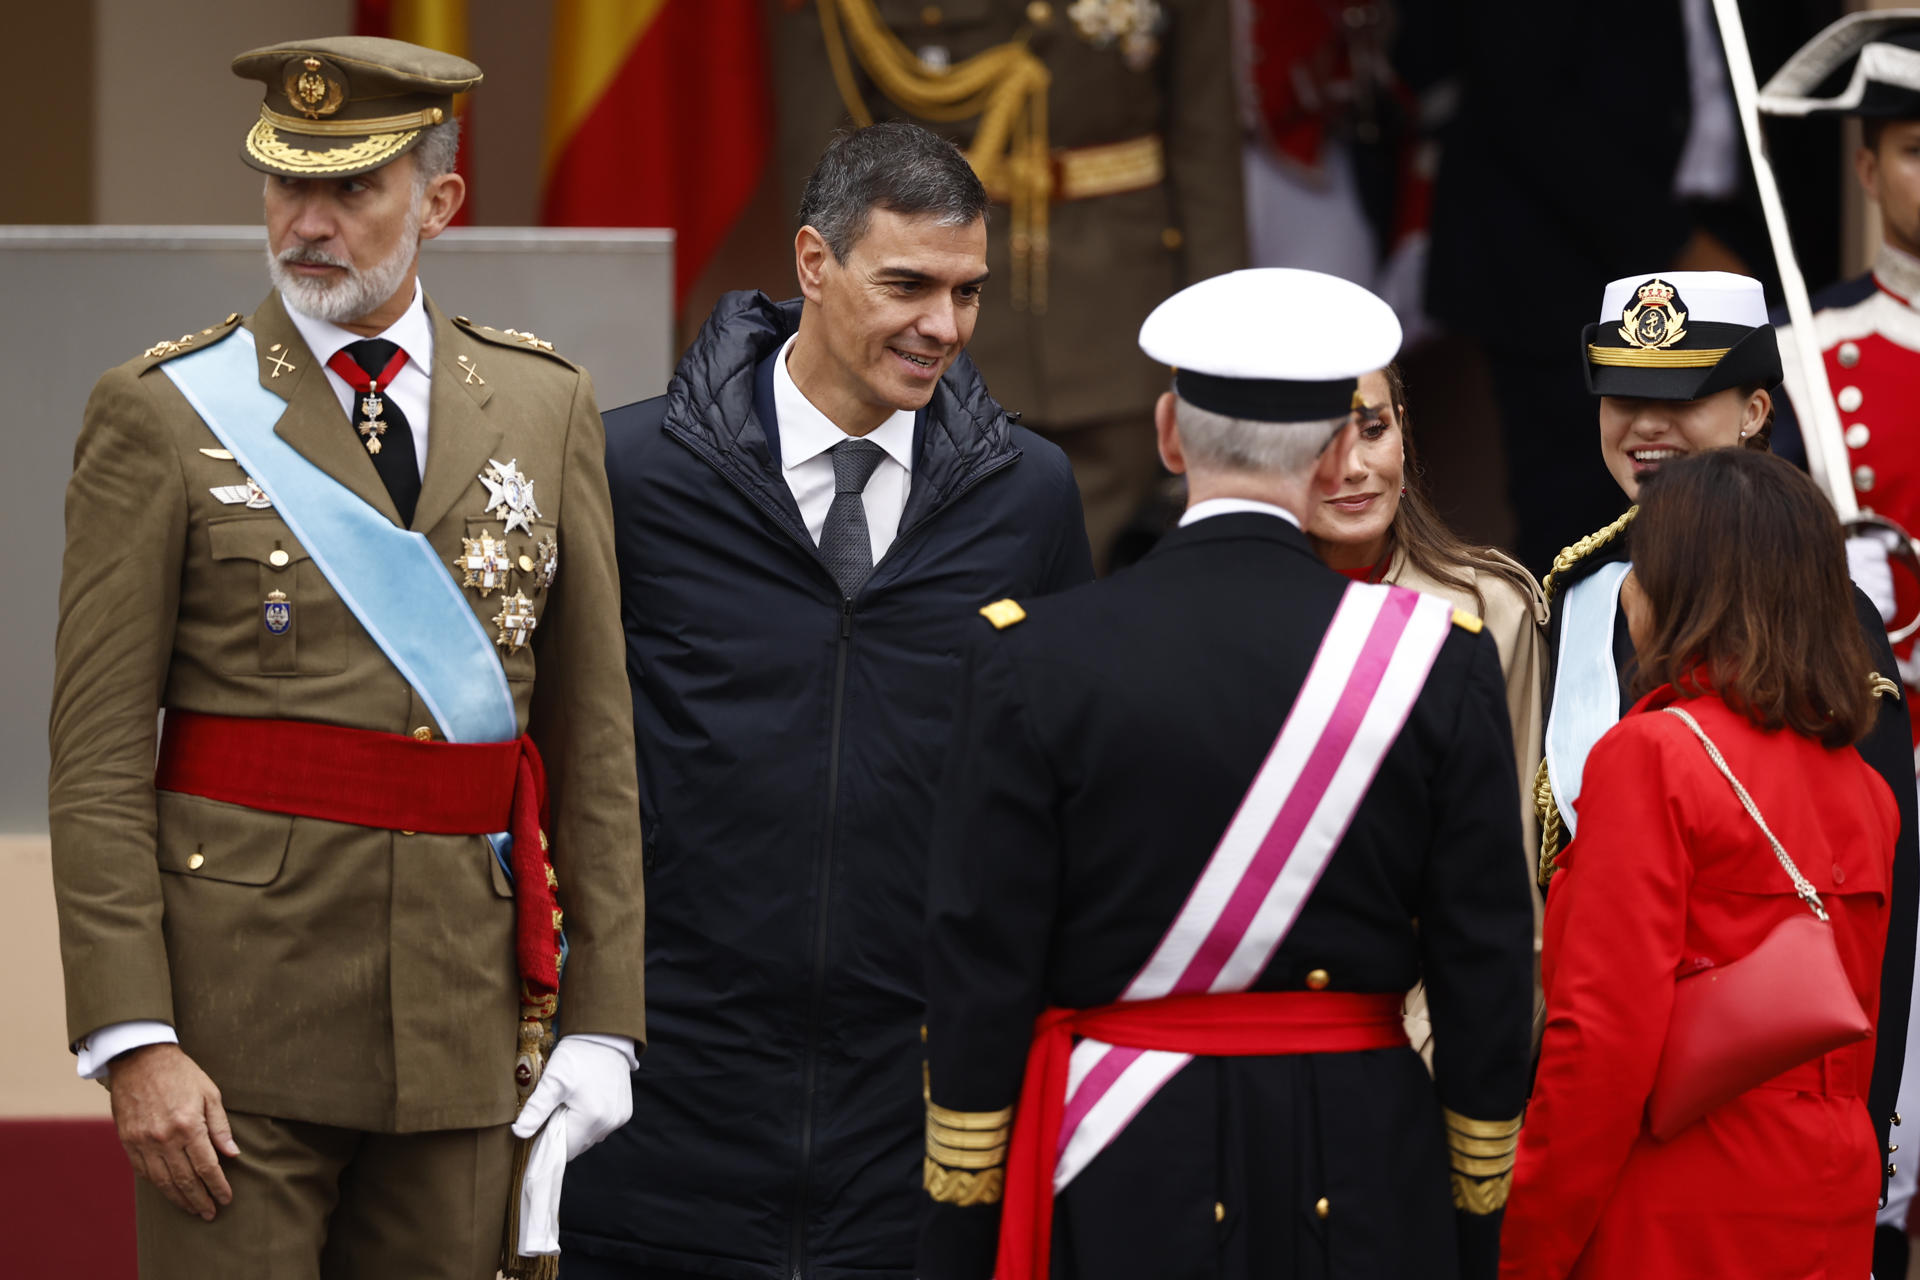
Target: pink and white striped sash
point(1371, 666)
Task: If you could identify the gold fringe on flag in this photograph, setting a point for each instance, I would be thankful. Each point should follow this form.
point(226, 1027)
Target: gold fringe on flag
point(1005, 86)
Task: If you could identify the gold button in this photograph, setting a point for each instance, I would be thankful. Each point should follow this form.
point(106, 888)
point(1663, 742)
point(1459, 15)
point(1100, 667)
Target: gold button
point(923, 1033)
point(424, 733)
point(278, 559)
point(1318, 980)
point(1219, 1212)
point(1040, 13)
point(406, 833)
point(1171, 238)
point(196, 862)
point(526, 564)
point(1321, 1208)
point(931, 15)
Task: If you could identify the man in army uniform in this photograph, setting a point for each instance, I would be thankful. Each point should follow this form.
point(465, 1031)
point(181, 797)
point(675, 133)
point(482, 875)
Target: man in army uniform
point(1106, 133)
point(1223, 882)
point(315, 955)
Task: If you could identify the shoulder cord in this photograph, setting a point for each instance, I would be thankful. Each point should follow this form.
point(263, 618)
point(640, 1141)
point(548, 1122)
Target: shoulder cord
point(1580, 550)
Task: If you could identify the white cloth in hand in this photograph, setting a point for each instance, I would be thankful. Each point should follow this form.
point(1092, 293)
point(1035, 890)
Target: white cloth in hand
point(540, 1189)
point(1868, 566)
point(595, 1084)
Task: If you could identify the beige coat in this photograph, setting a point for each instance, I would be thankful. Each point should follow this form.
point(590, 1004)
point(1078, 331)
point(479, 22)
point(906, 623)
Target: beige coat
point(323, 972)
point(1517, 622)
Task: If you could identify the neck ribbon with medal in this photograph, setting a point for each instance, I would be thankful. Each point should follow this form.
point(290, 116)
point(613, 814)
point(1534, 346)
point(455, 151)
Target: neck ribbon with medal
point(372, 406)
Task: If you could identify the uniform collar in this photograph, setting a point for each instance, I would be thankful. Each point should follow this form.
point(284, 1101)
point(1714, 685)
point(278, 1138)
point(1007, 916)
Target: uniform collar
point(412, 332)
point(1234, 506)
point(806, 433)
point(1898, 273)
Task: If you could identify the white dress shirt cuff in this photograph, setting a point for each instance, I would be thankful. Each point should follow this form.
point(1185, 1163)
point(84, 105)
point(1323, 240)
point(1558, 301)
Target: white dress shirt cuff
point(621, 1044)
point(116, 1038)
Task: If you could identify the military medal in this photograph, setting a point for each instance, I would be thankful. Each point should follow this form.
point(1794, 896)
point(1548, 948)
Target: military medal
point(548, 566)
point(277, 613)
point(484, 561)
point(372, 406)
point(516, 622)
point(510, 493)
point(249, 493)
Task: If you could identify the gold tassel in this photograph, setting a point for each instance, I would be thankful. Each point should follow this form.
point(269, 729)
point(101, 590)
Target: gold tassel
point(536, 1041)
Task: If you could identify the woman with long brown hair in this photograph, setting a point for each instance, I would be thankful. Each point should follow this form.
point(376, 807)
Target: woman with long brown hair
point(1377, 525)
point(1738, 607)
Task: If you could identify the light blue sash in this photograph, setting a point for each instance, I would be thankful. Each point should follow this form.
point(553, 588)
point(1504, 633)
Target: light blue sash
point(1586, 685)
point(391, 578)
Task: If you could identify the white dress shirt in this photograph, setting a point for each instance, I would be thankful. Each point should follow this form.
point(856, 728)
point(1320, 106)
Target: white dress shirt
point(805, 436)
point(1235, 506)
point(412, 387)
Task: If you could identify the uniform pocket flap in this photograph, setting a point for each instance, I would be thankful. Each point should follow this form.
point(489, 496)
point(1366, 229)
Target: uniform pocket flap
point(1829, 871)
point(263, 539)
point(216, 841)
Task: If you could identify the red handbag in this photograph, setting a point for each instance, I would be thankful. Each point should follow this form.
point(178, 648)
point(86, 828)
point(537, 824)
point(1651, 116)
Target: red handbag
point(1740, 1024)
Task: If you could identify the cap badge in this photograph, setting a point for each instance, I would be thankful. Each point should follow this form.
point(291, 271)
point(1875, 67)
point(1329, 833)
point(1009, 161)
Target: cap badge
point(311, 90)
point(1653, 323)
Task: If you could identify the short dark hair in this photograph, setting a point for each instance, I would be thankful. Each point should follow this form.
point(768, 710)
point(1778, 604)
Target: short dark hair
point(1744, 567)
point(1872, 127)
point(895, 166)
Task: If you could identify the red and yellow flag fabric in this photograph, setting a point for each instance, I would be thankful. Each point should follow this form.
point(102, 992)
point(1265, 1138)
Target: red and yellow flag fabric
point(433, 24)
point(658, 115)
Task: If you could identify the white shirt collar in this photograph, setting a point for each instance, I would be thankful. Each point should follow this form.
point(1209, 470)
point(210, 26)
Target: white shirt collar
point(412, 332)
point(1234, 506)
point(806, 433)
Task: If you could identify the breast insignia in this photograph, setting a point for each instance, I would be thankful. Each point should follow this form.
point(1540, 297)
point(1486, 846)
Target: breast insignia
point(1003, 614)
point(1467, 622)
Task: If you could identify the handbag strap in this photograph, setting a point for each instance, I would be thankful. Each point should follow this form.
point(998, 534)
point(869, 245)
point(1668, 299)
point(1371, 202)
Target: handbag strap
point(1801, 885)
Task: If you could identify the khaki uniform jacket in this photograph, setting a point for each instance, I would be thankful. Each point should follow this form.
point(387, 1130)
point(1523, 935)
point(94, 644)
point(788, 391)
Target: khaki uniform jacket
point(1114, 257)
point(317, 971)
point(1517, 624)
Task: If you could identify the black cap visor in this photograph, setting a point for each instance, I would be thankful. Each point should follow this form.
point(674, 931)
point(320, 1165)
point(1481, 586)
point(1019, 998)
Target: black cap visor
point(1752, 359)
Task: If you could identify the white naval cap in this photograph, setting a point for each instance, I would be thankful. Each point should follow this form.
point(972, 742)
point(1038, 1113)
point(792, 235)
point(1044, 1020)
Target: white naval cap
point(1719, 297)
point(1272, 344)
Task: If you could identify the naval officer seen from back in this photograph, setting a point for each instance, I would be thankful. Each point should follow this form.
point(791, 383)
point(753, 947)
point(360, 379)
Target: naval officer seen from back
point(1204, 823)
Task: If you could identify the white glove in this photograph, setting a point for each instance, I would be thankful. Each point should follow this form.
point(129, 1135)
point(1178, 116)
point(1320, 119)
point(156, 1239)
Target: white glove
point(540, 1189)
point(594, 1082)
point(1870, 570)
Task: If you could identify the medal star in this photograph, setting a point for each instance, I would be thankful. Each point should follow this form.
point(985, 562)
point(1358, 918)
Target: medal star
point(484, 562)
point(516, 622)
point(548, 549)
point(510, 493)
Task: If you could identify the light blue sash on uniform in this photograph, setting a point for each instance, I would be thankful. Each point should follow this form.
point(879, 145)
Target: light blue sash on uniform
point(1586, 684)
point(391, 578)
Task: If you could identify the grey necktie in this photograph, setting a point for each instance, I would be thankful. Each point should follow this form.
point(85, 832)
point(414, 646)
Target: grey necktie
point(844, 541)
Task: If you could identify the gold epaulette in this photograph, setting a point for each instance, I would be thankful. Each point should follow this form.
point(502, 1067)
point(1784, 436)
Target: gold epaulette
point(1467, 622)
point(1573, 555)
point(966, 1161)
point(513, 338)
point(1481, 1153)
point(168, 348)
point(1003, 614)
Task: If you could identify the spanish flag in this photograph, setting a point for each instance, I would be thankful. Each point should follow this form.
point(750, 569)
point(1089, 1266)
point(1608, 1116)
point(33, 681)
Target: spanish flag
point(657, 116)
point(433, 24)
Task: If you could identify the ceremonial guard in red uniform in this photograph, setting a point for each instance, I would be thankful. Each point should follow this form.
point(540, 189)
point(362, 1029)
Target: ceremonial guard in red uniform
point(1868, 332)
point(1203, 826)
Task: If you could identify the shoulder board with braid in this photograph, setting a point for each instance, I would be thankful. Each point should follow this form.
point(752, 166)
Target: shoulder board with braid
point(1573, 555)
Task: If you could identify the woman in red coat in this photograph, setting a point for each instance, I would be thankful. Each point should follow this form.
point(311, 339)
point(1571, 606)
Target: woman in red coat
point(1740, 612)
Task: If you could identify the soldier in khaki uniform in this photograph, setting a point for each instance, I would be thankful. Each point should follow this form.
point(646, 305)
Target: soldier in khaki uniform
point(296, 945)
point(1106, 133)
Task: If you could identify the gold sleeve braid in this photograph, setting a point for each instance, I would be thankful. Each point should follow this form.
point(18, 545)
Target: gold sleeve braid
point(966, 1160)
point(1006, 86)
point(1552, 830)
point(1481, 1154)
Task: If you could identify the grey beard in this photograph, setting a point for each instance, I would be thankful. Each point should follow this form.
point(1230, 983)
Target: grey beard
point(359, 292)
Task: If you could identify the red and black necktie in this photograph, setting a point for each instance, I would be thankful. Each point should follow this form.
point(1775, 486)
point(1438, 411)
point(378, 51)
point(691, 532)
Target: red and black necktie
point(369, 367)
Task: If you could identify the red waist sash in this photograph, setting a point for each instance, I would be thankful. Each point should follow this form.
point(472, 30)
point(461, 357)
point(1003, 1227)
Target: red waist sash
point(385, 780)
point(1230, 1024)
